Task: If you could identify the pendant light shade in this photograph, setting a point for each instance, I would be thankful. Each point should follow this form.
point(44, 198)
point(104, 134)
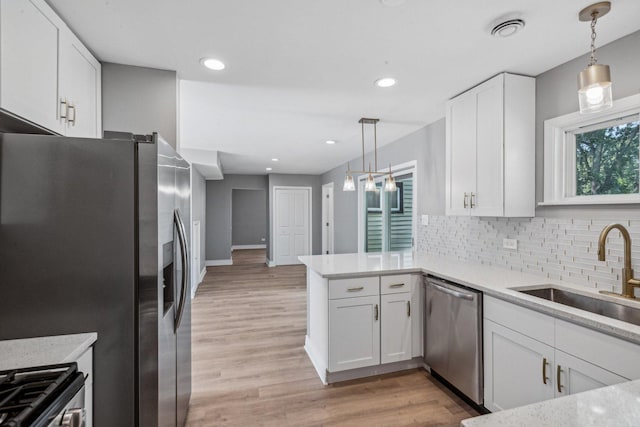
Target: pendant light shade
point(594, 82)
point(390, 184)
point(348, 184)
point(370, 185)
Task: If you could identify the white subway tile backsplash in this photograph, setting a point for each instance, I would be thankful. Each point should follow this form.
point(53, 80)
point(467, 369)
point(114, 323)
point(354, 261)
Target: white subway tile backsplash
point(557, 248)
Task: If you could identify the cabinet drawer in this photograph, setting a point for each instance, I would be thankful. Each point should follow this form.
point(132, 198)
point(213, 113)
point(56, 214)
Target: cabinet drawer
point(356, 287)
point(528, 322)
point(620, 356)
point(395, 284)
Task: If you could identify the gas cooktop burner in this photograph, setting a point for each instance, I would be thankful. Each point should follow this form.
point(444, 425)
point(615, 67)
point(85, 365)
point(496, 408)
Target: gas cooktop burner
point(34, 396)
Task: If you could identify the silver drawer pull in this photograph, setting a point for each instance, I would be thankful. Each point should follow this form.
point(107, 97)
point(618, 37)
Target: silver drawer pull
point(396, 285)
point(359, 288)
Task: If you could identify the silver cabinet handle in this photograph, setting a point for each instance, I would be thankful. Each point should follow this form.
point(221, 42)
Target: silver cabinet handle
point(452, 292)
point(396, 285)
point(473, 205)
point(70, 119)
point(359, 288)
point(559, 378)
point(544, 370)
point(64, 109)
point(377, 314)
point(408, 308)
point(464, 201)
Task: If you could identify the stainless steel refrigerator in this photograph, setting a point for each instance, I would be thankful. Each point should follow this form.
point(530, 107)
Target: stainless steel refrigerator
point(94, 237)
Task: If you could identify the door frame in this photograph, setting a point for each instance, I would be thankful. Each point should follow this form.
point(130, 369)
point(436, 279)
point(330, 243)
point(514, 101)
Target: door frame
point(328, 238)
point(397, 170)
point(274, 209)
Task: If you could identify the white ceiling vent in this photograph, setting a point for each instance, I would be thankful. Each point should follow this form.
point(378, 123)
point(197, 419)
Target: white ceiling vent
point(507, 28)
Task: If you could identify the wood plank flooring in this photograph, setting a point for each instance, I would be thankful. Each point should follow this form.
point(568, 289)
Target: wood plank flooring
point(250, 368)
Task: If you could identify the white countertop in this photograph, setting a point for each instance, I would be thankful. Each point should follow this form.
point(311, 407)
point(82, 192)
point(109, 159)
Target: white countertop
point(494, 281)
point(617, 405)
point(27, 352)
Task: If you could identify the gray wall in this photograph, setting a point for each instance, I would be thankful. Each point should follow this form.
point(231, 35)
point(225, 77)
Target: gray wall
point(426, 146)
point(556, 94)
point(140, 100)
point(198, 203)
point(312, 181)
point(248, 217)
point(219, 225)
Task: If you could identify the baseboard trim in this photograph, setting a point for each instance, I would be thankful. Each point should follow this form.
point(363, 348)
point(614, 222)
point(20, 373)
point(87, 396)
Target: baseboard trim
point(197, 284)
point(322, 373)
point(271, 263)
point(370, 371)
point(218, 262)
point(233, 248)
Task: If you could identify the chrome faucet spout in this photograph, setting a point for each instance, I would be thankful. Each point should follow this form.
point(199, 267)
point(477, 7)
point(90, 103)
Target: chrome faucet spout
point(628, 282)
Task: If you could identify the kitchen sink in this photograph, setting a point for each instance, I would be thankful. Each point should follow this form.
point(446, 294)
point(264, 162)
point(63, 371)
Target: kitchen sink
point(593, 305)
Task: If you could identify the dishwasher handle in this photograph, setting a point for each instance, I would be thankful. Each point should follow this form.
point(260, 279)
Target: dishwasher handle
point(452, 292)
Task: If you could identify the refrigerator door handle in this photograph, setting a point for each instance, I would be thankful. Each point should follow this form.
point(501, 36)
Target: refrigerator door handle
point(182, 237)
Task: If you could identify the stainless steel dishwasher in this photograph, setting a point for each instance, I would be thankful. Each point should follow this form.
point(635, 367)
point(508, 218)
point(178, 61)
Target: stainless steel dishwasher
point(453, 335)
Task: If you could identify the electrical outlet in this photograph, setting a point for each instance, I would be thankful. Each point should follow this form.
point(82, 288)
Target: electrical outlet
point(510, 243)
point(425, 219)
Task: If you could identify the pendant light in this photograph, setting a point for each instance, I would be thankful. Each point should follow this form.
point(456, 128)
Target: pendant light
point(370, 184)
point(348, 180)
point(594, 82)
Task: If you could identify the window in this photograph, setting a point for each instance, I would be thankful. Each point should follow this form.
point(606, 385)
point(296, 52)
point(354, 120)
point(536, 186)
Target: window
point(594, 159)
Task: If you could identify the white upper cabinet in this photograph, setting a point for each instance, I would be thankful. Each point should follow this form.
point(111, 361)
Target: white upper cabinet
point(490, 149)
point(47, 76)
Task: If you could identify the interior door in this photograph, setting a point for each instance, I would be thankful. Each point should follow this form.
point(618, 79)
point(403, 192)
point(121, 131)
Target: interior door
point(293, 228)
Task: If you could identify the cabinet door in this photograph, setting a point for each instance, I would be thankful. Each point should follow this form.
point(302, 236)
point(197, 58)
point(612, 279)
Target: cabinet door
point(575, 375)
point(29, 62)
point(460, 153)
point(513, 369)
point(488, 197)
point(395, 329)
point(354, 333)
point(80, 85)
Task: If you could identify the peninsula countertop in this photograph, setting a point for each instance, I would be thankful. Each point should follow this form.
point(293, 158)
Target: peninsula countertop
point(27, 352)
point(494, 281)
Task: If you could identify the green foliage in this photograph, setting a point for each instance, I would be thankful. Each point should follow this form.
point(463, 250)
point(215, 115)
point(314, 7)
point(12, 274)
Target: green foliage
point(607, 160)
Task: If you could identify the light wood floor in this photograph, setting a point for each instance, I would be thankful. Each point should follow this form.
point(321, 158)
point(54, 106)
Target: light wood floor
point(250, 368)
point(249, 256)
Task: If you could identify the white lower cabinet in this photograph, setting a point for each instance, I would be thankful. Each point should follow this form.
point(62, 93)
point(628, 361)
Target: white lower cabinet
point(354, 333)
point(514, 365)
point(519, 369)
point(395, 328)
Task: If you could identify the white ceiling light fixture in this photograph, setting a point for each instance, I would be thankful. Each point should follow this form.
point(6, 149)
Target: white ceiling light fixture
point(330, 142)
point(269, 169)
point(594, 82)
point(275, 160)
point(507, 28)
point(213, 64)
point(370, 185)
point(392, 3)
point(385, 82)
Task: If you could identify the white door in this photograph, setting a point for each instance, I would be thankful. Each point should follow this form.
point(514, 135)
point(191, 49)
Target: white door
point(395, 329)
point(195, 254)
point(80, 85)
point(575, 375)
point(292, 225)
point(354, 333)
point(327, 218)
point(29, 63)
point(516, 369)
point(488, 192)
point(460, 153)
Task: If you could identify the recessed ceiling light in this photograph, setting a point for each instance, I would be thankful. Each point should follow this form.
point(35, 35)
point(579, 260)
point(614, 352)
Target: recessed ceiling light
point(213, 64)
point(392, 3)
point(330, 142)
point(275, 160)
point(386, 82)
point(269, 169)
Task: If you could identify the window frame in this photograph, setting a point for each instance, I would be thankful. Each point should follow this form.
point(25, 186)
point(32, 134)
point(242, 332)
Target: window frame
point(559, 154)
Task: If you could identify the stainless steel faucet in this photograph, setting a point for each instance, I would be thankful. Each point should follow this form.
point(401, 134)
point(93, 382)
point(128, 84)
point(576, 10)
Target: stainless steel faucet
point(629, 283)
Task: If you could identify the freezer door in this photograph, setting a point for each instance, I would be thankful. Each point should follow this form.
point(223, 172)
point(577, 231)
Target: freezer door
point(183, 293)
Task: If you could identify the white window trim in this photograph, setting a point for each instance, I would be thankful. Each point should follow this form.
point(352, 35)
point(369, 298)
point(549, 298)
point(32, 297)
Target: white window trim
point(558, 141)
point(397, 170)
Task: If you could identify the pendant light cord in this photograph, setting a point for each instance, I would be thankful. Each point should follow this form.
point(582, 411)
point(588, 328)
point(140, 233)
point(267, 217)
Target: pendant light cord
point(594, 20)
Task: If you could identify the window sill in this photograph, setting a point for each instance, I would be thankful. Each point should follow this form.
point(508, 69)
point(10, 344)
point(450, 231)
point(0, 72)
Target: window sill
point(589, 202)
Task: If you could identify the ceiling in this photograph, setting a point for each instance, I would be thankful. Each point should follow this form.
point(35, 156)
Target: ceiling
point(300, 72)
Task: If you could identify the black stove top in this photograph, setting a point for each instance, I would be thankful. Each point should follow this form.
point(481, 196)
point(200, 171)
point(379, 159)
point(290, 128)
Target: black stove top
point(34, 396)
